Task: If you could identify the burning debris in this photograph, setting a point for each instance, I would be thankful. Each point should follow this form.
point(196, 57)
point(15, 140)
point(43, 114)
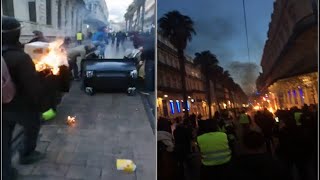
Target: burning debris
point(47, 56)
point(71, 120)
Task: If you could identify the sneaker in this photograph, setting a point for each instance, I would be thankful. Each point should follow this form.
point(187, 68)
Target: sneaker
point(35, 156)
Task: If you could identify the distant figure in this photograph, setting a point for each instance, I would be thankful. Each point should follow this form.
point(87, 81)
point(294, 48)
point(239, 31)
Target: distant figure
point(38, 36)
point(79, 37)
point(89, 35)
point(100, 38)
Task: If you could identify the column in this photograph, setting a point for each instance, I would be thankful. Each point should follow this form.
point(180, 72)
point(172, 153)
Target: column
point(306, 96)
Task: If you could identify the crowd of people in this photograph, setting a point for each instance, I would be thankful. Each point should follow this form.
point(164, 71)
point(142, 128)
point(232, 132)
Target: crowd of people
point(261, 145)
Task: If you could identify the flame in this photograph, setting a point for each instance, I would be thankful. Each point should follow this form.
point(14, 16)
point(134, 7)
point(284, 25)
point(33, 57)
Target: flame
point(71, 120)
point(271, 110)
point(53, 58)
point(256, 107)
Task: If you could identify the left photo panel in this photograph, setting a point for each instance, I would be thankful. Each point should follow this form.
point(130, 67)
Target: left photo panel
point(78, 89)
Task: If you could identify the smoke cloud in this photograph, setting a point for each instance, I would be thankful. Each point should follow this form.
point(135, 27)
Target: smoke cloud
point(245, 74)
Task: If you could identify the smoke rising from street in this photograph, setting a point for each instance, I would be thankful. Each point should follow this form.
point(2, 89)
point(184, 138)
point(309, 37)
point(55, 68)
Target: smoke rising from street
point(245, 74)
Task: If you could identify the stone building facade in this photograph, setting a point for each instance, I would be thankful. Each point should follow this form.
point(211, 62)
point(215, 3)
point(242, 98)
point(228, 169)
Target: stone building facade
point(289, 60)
point(169, 86)
point(53, 17)
point(141, 16)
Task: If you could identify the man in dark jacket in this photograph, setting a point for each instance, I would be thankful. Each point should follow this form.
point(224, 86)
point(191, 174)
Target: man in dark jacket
point(25, 106)
point(38, 36)
point(255, 163)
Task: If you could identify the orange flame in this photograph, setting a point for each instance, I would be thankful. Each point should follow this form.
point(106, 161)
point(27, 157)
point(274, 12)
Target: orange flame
point(53, 59)
point(71, 120)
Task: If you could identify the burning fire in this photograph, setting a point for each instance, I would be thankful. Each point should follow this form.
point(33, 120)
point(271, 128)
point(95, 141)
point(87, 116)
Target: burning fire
point(71, 120)
point(53, 58)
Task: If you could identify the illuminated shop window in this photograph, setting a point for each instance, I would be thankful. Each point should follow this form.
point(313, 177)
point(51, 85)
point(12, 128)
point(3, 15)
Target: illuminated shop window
point(295, 96)
point(178, 106)
point(301, 95)
point(289, 95)
point(171, 107)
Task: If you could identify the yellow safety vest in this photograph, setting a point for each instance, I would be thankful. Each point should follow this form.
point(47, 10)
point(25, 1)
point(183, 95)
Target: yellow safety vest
point(244, 119)
point(79, 36)
point(214, 148)
point(297, 117)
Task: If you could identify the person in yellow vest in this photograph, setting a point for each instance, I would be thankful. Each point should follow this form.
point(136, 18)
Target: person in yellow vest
point(79, 37)
point(244, 120)
point(297, 115)
point(215, 152)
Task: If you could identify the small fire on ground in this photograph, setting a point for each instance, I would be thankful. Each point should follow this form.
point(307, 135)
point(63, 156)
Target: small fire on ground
point(71, 120)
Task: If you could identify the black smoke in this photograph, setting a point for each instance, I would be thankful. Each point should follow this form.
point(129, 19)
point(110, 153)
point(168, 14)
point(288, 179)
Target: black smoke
point(244, 73)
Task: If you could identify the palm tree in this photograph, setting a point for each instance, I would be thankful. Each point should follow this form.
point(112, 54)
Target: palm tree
point(178, 29)
point(207, 61)
point(130, 12)
point(216, 73)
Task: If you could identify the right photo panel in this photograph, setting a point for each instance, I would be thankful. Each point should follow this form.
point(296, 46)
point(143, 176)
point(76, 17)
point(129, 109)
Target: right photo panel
point(237, 90)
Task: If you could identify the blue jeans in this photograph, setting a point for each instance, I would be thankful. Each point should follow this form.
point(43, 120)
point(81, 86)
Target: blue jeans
point(101, 47)
point(149, 76)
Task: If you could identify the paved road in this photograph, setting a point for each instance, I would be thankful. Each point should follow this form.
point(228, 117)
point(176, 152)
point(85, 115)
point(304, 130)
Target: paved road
point(109, 126)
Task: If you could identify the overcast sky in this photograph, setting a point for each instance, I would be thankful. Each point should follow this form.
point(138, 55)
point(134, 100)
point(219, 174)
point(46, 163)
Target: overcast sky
point(220, 28)
point(117, 9)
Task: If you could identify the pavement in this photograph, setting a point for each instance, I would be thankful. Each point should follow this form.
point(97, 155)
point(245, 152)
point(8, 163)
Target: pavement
point(108, 126)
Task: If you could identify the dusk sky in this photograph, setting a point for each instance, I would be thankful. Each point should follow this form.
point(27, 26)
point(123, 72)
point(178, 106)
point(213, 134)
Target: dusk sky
point(220, 28)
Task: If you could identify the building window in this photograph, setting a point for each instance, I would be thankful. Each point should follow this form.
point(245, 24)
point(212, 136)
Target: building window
point(59, 14)
point(295, 96)
point(48, 10)
point(8, 8)
point(301, 95)
point(32, 11)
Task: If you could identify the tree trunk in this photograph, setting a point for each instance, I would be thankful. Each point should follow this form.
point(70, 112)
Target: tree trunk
point(208, 92)
point(215, 91)
point(183, 80)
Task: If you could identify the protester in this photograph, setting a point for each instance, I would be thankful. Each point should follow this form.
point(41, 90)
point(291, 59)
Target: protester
point(266, 123)
point(38, 37)
point(183, 140)
point(294, 147)
point(25, 107)
point(148, 57)
point(75, 53)
point(166, 161)
point(256, 163)
point(215, 152)
point(79, 37)
point(100, 39)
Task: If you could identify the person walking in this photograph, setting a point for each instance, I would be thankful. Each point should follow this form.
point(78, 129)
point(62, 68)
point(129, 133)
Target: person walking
point(25, 107)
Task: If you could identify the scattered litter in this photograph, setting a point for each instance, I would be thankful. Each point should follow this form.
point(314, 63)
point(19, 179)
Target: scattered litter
point(71, 120)
point(126, 165)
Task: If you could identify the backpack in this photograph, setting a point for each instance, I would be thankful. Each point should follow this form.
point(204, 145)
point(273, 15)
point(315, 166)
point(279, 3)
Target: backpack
point(8, 87)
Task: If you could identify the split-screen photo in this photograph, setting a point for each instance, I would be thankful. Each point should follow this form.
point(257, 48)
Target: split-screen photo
point(154, 89)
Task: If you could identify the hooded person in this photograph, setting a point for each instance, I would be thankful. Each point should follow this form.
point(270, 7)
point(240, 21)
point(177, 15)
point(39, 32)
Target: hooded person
point(38, 37)
point(25, 107)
